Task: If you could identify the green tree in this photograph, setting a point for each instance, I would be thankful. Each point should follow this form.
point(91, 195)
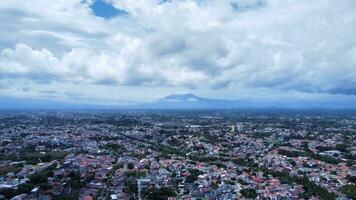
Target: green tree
point(194, 173)
point(349, 190)
point(159, 193)
point(249, 193)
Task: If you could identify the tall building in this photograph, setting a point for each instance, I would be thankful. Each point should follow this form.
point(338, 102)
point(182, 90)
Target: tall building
point(232, 128)
point(239, 127)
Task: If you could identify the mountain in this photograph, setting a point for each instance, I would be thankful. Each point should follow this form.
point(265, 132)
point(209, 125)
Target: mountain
point(190, 101)
point(181, 98)
point(174, 101)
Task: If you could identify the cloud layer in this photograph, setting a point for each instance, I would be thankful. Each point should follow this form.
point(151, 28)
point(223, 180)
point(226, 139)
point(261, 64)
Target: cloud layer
point(288, 45)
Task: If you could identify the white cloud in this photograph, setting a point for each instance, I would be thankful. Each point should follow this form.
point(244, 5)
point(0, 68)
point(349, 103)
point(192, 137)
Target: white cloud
point(25, 61)
point(289, 45)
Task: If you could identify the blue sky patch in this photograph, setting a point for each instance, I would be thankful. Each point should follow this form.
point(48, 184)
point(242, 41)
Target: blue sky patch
point(105, 10)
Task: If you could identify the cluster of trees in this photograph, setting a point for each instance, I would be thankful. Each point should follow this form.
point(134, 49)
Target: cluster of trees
point(9, 169)
point(349, 190)
point(174, 142)
point(75, 181)
point(130, 183)
point(33, 157)
point(22, 189)
point(326, 159)
point(249, 193)
point(203, 158)
point(218, 161)
point(164, 149)
point(131, 186)
point(314, 189)
point(159, 193)
point(212, 138)
point(310, 187)
point(74, 195)
point(39, 179)
point(194, 173)
point(117, 149)
point(243, 162)
point(136, 175)
point(339, 147)
point(36, 157)
point(351, 178)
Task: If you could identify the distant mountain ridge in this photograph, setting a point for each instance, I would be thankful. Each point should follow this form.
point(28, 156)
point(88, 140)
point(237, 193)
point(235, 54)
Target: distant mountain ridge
point(174, 101)
point(181, 98)
point(191, 101)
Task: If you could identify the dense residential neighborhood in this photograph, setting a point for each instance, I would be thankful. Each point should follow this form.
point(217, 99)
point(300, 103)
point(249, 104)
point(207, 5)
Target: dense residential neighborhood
point(177, 155)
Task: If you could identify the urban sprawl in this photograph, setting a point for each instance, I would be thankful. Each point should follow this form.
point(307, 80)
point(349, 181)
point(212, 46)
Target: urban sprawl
point(272, 154)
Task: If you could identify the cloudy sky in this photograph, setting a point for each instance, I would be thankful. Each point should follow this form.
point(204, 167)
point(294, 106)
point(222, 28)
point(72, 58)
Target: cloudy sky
point(139, 50)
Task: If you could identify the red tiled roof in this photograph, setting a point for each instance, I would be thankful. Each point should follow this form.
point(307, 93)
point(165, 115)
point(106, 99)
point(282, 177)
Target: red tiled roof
point(88, 197)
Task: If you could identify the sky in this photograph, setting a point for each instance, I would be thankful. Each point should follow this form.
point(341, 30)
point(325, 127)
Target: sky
point(122, 51)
